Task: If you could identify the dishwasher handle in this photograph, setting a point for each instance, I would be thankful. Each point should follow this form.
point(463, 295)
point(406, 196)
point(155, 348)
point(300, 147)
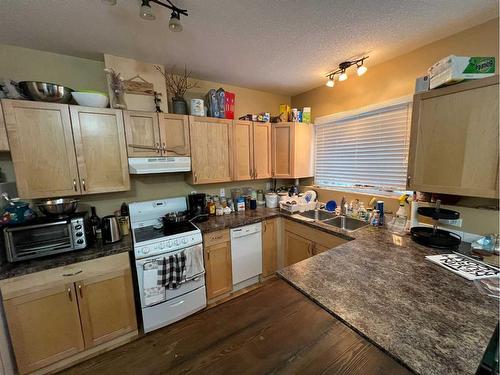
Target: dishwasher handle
point(243, 232)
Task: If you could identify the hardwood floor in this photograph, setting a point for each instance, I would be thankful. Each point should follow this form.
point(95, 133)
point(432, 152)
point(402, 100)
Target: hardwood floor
point(274, 329)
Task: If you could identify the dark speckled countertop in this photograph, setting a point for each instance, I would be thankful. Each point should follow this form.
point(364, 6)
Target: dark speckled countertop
point(379, 284)
point(8, 270)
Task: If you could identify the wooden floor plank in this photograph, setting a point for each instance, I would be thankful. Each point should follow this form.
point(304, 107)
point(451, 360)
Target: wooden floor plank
point(274, 329)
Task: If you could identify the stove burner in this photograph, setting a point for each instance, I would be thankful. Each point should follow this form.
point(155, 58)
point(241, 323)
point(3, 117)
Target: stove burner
point(464, 266)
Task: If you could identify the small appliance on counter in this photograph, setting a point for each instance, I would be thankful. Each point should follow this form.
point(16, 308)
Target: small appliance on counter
point(45, 235)
point(110, 229)
point(432, 236)
point(197, 207)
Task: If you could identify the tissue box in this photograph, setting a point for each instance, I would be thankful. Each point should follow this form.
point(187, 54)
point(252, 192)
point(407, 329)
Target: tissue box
point(453, 69)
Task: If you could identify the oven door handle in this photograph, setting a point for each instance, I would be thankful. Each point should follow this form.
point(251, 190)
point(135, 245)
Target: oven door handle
point(58, 246)
point(36, 226)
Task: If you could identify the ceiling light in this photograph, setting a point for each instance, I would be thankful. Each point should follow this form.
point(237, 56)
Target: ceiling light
point(109, 2)
point(146, 12)
point(175, 24)
point(361, 70)
point(342, 70)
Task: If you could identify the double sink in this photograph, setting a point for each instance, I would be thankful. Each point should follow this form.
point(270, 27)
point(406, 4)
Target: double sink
point(328, 218)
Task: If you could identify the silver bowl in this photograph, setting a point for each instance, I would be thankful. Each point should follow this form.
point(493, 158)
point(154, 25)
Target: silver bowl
point(46, 92)
point(58, 207)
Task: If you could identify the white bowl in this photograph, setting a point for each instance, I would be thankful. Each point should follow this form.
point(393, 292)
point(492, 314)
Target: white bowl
point(91, 99)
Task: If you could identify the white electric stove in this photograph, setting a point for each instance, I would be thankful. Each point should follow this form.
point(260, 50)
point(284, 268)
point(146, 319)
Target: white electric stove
point(153, 242)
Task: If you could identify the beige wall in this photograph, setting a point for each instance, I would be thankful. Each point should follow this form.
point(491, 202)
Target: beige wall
point(160, 186)
point(23, 64)
point(396, 78)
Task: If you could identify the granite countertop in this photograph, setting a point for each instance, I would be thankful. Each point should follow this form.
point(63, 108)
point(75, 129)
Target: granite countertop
point(8, 270)
point(379, 284)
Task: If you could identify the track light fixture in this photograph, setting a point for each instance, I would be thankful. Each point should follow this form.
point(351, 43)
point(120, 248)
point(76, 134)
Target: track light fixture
point(146, 12)
point(342, 70)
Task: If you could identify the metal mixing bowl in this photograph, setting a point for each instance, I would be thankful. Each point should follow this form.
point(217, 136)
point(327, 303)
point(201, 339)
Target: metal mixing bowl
point(57, 207)
point(46, 92)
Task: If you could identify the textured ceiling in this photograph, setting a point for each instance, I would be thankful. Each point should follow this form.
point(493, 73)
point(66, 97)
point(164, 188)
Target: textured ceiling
point(282, 46)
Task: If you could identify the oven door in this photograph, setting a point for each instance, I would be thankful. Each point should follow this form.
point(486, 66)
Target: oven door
point(147, 275)
point(38, 240)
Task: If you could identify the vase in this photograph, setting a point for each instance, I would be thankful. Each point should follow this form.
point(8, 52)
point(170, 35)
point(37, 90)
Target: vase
point(179, 106)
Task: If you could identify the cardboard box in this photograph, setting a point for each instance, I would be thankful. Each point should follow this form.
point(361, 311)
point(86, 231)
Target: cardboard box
point(453, 69)
point(285, 111)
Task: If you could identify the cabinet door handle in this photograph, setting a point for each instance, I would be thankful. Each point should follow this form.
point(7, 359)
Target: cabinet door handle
point(164, 147)
point(80, 290)
point(74, 184)
point(255, 175)
point(72, 274)
point(195, 178)
point(83, 184)
point(70, 296)
point(157, 147)
point(208, 254)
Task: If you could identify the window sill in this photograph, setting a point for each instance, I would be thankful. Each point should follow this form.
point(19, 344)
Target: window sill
point(363, 191)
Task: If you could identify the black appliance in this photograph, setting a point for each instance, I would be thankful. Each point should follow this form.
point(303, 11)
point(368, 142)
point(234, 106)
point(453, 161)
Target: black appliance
point(198, 207)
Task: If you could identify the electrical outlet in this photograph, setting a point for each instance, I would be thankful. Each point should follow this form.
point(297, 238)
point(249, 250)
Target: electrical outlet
point(268, 186)
point(455, 223)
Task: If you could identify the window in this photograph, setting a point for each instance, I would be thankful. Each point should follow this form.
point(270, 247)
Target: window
point(365, 148)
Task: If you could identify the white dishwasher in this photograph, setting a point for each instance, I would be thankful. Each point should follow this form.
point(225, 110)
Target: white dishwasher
point(246, 253)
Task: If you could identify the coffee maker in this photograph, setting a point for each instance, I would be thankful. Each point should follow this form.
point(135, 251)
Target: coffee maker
point(198, 207)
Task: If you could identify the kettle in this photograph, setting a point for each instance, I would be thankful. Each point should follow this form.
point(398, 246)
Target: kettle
point(110, 229)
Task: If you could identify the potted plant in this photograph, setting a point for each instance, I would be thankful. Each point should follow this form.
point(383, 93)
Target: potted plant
point(177, 85)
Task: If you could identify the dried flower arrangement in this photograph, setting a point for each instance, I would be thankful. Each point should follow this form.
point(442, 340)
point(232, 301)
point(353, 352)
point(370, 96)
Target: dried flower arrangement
point(118, 88)
point(177, 84)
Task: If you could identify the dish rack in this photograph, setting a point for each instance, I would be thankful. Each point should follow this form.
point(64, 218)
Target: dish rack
point(297, 207)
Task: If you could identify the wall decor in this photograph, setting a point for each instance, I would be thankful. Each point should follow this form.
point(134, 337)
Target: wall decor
point(177, 85)
point(138, 85)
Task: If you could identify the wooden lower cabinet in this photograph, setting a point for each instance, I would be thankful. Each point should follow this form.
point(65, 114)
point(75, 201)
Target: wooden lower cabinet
point(105, 313)
point(44, 327)
point(51, 319)
point(301, 242)
point(269, 247)
point(296, 248)
point(218, 266)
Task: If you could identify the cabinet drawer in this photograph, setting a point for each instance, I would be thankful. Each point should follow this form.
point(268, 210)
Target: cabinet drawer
point(20, 285)
point(215, 238)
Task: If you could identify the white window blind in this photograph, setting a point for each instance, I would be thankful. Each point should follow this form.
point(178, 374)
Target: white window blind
point(367, 148)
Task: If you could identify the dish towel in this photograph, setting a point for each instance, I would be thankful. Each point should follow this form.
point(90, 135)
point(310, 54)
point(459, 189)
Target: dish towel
point(172, 271)
point(194, 261)
point(152, 292)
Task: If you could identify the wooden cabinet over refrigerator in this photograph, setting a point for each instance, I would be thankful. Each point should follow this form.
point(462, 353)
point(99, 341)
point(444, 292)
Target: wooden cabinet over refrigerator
point(454, 140)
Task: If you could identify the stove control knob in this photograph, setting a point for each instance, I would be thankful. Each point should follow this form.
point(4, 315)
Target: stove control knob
point(161, 246)
point(176, 242)
point(145, 250)
point(169, 244)
point(184, 240)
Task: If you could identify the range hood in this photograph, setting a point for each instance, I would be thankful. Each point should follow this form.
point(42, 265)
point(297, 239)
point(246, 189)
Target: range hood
point(166, 164)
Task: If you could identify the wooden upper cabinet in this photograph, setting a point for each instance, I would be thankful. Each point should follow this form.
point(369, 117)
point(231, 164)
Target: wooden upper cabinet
point(106, 306)
point(243, 154)
point(4, 142)
point(262, 150)
point(44, 326)
point(211, 154)
point(142, 130)
point(292, 150)
point(269, 247)
point(454, 140)
point(42, 149)
point(174, 134)
point(100, 149)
